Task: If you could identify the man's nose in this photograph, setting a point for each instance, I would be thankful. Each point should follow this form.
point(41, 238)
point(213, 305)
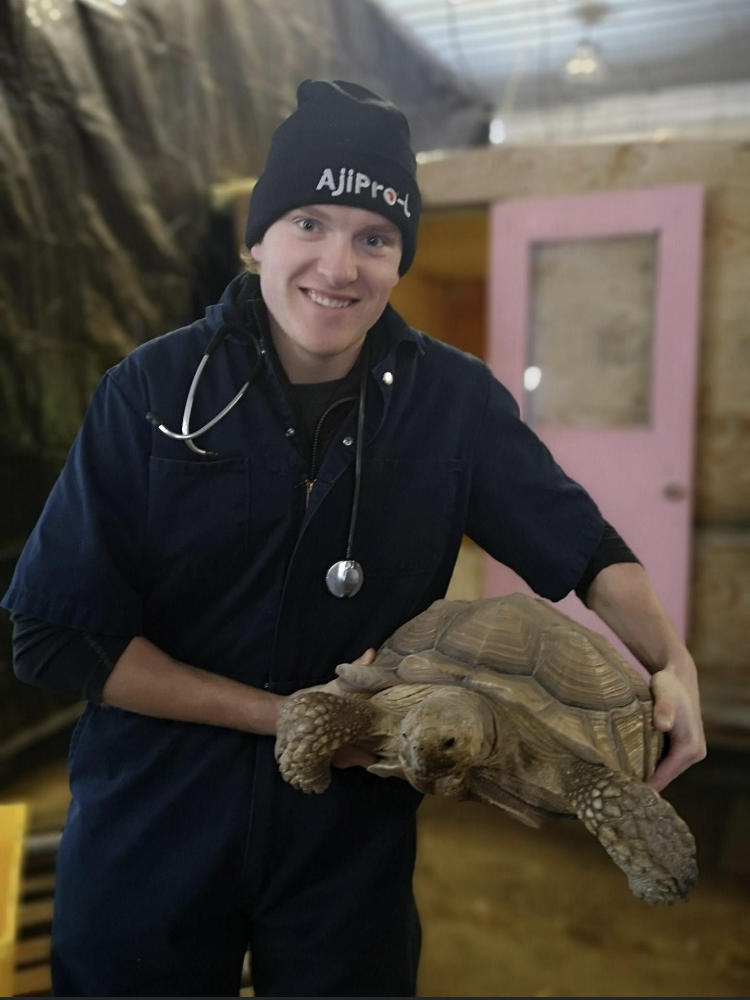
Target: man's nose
point(337, 261)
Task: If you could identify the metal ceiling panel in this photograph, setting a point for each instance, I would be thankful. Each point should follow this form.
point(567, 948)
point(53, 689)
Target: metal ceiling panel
point(514, 52)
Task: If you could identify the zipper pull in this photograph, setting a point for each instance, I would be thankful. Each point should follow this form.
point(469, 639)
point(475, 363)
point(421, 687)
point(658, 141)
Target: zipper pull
point(308, 485)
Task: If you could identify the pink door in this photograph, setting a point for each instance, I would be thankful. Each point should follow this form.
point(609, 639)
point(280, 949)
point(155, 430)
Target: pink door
point(593, 318)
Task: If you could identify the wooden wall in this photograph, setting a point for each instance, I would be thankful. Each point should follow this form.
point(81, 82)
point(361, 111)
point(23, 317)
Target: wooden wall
point(445, 294)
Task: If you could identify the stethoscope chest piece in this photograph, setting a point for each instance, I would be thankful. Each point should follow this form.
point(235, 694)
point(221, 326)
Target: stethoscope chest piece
point(345, 578)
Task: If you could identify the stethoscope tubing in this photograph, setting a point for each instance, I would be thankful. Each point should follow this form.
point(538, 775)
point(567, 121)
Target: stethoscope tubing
point(358, 455)
point(339, 587)
point(186, 434)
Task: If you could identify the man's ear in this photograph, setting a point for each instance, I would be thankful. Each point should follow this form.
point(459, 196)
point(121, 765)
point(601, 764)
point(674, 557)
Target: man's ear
point(248, 258)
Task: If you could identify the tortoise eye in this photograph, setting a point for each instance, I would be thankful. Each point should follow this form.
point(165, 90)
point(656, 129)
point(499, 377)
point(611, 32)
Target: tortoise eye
point(451, 741)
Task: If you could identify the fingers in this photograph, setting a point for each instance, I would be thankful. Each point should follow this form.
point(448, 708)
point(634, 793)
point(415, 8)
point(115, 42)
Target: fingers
point(335, 686)
point(679, 759)
point(351, 756)
point(367, 657)
point(687, 746)
point(667, 770)
point(665, 713)
point(676, 713)
point(330, 687)
point(664, 690)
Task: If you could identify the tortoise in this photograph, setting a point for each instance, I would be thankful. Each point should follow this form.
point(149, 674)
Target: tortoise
point(508, 701)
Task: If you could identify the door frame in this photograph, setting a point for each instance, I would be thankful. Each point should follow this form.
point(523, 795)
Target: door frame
point(674, 213)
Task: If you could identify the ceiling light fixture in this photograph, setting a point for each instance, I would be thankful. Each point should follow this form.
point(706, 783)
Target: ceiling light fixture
point(585, 63)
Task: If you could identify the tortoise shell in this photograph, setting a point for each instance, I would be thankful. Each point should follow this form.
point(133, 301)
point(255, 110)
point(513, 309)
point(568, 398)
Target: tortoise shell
point(522, 651)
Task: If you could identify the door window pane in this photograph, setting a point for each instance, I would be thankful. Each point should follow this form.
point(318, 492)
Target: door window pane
point(590, 332)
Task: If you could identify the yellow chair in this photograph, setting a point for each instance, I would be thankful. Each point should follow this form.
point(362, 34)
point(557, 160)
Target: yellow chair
point(13, 819)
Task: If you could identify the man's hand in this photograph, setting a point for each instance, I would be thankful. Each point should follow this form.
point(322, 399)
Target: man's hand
point(677, 712)
point(623, 597)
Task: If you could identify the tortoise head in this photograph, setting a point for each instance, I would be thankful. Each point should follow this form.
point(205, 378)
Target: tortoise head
point(449, 731)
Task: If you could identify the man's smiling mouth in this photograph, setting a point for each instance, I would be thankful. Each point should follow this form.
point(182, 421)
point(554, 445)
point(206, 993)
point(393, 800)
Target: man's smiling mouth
point(324, 300)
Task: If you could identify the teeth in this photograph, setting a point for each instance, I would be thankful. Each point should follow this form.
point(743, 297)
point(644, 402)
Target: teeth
point(323, 300)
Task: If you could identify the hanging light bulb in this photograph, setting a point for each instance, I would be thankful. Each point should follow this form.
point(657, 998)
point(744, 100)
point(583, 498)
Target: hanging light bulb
point(586, 63)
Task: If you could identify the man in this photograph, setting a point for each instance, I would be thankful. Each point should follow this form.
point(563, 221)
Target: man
point(187, 591)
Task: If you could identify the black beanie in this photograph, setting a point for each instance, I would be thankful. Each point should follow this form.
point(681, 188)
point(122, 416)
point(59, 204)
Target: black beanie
point(343, 145)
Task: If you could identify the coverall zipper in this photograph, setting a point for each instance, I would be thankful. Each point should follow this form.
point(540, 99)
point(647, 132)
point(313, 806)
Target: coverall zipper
point(310, 480)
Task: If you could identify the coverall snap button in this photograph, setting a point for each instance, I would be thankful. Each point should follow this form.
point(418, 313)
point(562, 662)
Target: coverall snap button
point(290, 432)
point(348, 440)
point(388, 378)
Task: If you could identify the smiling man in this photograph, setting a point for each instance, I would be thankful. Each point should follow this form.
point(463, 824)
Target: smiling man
point(326, 273)
point(186, 582)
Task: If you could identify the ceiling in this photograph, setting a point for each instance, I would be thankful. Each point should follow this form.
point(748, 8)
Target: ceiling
point(513, 52)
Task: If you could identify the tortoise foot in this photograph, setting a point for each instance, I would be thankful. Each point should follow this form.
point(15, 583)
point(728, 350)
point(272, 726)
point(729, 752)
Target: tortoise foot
point(312, 725)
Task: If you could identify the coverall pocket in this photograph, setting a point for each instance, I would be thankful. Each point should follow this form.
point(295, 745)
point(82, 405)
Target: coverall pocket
point(198, 515)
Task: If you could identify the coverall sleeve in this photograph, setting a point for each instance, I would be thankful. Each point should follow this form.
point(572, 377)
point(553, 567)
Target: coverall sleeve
point(81, 566)
point(523, 509)
point(610, 550)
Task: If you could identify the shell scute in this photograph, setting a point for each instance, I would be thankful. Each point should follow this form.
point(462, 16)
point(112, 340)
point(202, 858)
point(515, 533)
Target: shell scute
point(521, 651)
point(419, 633)
point(500, 637)
point(576, 673)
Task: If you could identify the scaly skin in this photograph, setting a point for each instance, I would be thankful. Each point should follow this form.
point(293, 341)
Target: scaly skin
point(312, 725)
point(447, 731)
point(639, 830)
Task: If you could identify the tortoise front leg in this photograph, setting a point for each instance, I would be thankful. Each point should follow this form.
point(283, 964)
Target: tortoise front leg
point(312, 725)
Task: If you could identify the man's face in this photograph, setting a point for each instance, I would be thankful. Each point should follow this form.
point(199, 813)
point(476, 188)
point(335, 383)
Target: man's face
point(326, 272)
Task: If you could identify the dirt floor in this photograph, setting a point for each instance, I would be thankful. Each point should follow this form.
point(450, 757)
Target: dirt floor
point(512, 911)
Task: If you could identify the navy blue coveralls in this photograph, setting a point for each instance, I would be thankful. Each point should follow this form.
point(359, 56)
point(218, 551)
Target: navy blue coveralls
point(182, 843)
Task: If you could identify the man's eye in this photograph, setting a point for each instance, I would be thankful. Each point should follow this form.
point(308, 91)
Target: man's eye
point(373, 240)
point(306, 225)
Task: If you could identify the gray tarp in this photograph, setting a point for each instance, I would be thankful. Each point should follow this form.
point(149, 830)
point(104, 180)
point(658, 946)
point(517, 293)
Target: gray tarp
point(117, 120)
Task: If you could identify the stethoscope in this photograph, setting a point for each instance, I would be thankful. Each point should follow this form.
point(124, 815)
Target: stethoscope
point(346, 576)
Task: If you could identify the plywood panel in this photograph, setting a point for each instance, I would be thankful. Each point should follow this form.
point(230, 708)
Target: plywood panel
point(444, 292)
point(723, 467)
point(719, 635)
